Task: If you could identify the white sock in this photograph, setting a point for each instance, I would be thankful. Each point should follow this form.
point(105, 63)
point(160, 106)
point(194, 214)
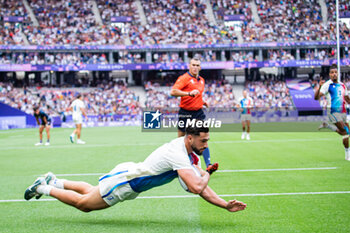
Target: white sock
point(57, 183)
point(347, 150)
point(44, 189)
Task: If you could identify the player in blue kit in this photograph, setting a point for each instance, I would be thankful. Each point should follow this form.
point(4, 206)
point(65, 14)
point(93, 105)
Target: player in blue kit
point(45, 123)
point(337, 96)
point(127, 180)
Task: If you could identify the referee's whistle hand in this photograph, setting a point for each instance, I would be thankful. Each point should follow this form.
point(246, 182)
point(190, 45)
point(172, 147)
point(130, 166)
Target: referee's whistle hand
point(194, 92)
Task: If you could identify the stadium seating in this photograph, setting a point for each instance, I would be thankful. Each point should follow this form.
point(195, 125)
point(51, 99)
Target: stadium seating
point(108, 9)
point(269, 95)
point(74, 22)
point(106, 99)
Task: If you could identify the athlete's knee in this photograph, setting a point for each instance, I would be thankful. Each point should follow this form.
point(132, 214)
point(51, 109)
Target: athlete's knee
point(83, 206)
point(87, 188)
point(343, 131)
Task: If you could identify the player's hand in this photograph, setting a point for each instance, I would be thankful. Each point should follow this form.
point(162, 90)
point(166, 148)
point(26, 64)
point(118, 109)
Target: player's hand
point(212, 168)
point(194, 92)
point(321, 82)
point(234, 206)
point(206, 104)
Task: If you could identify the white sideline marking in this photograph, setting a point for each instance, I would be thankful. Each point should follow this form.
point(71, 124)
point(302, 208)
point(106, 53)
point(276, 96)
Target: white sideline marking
point(275, 140)
point(74, 146)
point(196, 196)
point(249, 195)
point(248, 170)
point(280, 169)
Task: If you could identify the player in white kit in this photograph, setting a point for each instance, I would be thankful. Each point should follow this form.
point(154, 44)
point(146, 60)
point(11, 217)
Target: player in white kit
point(78, 108)
point(245, 105)
point(127, 180)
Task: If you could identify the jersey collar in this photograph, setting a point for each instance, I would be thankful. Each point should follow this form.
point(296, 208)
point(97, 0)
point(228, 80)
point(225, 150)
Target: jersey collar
point(193, 76)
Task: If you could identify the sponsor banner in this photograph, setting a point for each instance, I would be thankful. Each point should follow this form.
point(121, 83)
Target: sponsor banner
point(234, 18)
point(12, 122)
point(121, 19)
point(13, 19)
point(304, 100)
point(297, 84)
point(344, 14)
point(170, 66)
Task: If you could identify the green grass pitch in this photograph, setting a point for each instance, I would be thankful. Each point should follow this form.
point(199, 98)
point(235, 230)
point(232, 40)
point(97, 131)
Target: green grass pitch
point(21, 162)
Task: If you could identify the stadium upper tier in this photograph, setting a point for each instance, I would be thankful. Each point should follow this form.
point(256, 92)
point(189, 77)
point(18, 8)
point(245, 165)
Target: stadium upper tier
point(75, 22)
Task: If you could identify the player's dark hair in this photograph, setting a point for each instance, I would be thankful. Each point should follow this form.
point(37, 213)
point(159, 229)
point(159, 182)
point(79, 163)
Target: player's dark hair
point(333, 66)
point(78, 96)
point(195, 59)
point(197, 128)
point(35, 108)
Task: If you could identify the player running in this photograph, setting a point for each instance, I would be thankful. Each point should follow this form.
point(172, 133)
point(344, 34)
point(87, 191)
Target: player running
point(245, 104)
point(337, 96)
point(78, 108)
point(45, 123)
point(190, 87)
point(127, 180)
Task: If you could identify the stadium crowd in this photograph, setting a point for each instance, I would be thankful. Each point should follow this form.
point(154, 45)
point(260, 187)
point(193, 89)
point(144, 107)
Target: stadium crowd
point(113, 98)
point(74, 22)
point(188, 24)
point(231, 7)
point(104, 100)
point(108, 9)
point(269, 95)
point(68, 22)
point(219, 95)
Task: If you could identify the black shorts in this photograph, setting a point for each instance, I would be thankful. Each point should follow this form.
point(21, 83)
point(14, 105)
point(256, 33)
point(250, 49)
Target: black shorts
point(48, 123)
point(184, 115)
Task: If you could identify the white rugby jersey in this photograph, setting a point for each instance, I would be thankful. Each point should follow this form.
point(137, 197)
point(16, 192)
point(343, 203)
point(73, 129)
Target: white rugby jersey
point(77, 105)
point(158, 168)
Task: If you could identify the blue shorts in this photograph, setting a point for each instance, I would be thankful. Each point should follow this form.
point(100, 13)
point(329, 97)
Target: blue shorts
point(184, 115)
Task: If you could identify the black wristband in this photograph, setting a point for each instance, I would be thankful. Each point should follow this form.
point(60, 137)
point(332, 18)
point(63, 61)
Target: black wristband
point(189, 93)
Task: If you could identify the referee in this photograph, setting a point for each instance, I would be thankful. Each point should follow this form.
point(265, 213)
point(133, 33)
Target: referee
point(190, 87)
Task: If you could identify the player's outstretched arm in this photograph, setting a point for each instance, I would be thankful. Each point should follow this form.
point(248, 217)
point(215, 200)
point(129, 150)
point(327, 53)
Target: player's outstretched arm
point(194, 183)
point(233, 205)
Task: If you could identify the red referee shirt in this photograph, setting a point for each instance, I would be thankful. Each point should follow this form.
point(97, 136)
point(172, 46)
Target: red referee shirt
point(187, 83)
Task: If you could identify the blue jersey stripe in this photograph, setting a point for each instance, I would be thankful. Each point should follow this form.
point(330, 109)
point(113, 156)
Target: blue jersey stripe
point(110, 175)
point(337, 92)
point(110, 191)
point(144, 183)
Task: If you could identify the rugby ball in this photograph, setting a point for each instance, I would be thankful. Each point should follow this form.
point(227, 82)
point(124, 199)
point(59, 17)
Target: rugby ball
point(182, 183)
